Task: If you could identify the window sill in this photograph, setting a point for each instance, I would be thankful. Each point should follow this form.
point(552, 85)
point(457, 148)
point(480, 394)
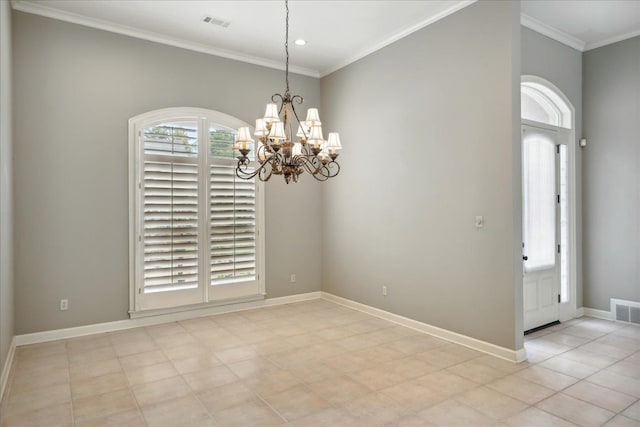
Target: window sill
point(194, 307)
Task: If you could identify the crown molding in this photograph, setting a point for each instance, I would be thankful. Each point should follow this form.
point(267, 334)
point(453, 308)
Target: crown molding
point(48, 12)
point(395, 37)
point(551, 32)
point(612, 40)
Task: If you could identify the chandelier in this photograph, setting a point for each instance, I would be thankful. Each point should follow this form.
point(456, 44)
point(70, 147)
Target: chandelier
point(277, 153)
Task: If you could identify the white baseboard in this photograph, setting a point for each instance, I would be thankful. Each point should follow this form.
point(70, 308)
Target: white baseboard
point(118, 325)
point(475, 344)
point(289, 299)
point(483, 346)
point(6, 369)
point(598, 314)
point(579, 313)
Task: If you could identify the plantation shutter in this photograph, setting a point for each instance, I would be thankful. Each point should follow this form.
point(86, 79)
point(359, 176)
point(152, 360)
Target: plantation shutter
point(233, 226)
point(170, 207)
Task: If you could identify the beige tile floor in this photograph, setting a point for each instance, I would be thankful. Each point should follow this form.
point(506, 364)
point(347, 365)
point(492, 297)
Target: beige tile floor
point(321, 364)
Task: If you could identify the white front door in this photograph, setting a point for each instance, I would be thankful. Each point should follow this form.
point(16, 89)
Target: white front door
point(540, 226)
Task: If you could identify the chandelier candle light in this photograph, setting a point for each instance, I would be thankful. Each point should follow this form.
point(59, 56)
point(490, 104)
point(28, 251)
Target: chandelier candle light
point(277, 153)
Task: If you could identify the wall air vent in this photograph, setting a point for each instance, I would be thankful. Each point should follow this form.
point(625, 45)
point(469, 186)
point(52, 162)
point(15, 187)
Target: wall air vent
point(626, 311)
point(216, 21)
point(622, 312)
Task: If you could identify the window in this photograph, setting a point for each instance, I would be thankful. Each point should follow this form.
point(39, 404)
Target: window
point(195, 226)
point(539, 195)
point(541, 104)
point(564, 222)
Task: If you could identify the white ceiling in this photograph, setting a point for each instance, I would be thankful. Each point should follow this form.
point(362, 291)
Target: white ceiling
point(337, 32)
point(583, 24)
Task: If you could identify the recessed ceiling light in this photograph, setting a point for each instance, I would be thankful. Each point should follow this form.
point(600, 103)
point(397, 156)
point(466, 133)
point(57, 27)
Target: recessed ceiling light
point(300, 42)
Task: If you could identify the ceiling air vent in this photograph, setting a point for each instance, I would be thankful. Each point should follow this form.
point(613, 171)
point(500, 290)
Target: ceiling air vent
point(216, 21)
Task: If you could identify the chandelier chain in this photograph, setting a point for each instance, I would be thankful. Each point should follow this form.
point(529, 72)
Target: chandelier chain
point(286, 45)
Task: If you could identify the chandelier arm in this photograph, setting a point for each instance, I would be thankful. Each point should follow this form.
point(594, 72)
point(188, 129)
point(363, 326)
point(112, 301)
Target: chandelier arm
point(307, 164)
point(321, 168)
point(277, 161)
point(275, 96)
point(263, 172)
point(312, 170)
point(264, 148)
point(315, 168)
point(323, 171)
point(319, 177)
point(244, 164)
point(333, 165)
point(268, 175)
point(328, 170)
point(241, 171)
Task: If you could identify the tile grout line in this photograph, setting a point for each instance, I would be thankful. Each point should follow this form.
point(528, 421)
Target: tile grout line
point(344, 350)
point(585, 378)
point(73, 415)
point(130, 389)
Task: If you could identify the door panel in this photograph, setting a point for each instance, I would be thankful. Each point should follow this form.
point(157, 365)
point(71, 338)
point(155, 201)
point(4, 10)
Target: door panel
point(546, 290)
point(530, 295)
point(540, 226)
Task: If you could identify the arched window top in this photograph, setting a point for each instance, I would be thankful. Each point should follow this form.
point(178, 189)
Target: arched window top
point(183, 127)
point(177, 113)
point(542, 102)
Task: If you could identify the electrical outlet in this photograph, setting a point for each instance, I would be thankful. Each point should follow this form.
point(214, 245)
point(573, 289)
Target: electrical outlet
point(384, 290)
point(293, 278)
point(64, 304)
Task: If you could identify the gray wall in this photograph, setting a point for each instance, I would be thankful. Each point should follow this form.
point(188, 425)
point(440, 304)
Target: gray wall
point(6, 205)
point(430, 126)
point(562, 66)
point(611, 194)
point(75, 89)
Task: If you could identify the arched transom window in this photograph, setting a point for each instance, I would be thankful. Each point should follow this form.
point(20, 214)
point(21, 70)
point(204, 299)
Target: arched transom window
point(540, 103)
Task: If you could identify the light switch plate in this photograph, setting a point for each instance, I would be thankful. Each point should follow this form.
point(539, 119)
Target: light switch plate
point(479, 221)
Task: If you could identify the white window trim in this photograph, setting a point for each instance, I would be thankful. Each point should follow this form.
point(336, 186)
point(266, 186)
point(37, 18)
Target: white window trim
point(549, 95)
point(136, 124)
point(544, 101)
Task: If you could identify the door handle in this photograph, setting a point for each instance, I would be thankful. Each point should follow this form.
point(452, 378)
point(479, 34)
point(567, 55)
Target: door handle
point(525, 258)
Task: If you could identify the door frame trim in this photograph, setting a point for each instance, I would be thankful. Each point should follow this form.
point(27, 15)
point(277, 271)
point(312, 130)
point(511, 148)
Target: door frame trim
point(568, 310)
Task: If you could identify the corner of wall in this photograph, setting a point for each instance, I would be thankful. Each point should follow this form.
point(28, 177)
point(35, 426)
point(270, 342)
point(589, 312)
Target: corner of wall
point(6, 194)
point(516, 71)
